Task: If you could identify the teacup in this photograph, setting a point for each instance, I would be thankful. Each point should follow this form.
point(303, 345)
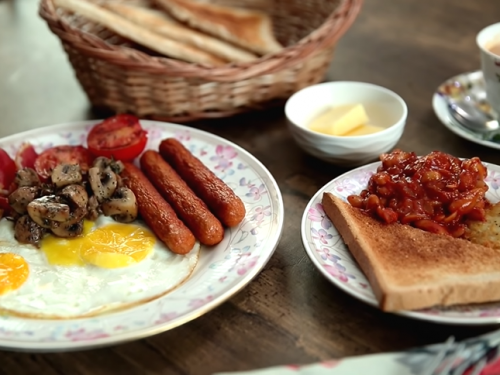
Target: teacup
point(488, 41)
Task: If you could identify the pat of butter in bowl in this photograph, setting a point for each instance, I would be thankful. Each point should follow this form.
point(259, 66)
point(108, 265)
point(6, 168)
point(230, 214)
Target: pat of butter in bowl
point(344, 120)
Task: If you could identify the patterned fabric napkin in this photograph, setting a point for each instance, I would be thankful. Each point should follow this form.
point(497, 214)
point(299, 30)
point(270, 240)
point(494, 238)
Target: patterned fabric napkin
point(411, 362)
point(379, 364)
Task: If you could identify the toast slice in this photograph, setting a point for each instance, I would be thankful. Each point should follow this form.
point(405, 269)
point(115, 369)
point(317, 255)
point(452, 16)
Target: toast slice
point(409, 268)
point(245, 28)
point(162, 24)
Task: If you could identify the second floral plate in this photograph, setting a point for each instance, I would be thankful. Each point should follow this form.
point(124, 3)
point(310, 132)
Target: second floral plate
point(329, 254)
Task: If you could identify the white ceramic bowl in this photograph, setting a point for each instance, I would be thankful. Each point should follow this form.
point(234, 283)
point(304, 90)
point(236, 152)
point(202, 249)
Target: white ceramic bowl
point(308, 103)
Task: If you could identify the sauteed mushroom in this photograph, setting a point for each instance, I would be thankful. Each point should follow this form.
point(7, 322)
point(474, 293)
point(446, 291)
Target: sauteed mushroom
point(27, 231)
point(77, 198)
point(26, 177)
point(76, 195)
point(45, 210)
point(21, 197)
point(105, 164)
point(66, 174)
point(103, 183)
point(122, 207)
point(62, 205)
point(67, 230)
point(93, 209)
point(47, 189)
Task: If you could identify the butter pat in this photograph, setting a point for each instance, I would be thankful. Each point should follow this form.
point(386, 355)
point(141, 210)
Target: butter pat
point(340, 120)
point(364, 130)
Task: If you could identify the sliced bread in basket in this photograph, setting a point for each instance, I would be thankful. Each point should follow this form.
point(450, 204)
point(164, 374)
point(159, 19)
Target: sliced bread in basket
point(246, 28)
point(160, 23)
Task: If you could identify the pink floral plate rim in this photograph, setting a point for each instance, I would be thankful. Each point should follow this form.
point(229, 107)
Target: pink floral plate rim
point(222, 271)
point(331, 257)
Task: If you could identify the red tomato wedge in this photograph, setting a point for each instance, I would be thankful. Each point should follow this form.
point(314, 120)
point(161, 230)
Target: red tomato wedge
point(51, 157)
point(120, 137)
point(26, 156)
point(8, 171)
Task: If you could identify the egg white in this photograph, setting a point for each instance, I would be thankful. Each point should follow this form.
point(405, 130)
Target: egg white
point(76, 291)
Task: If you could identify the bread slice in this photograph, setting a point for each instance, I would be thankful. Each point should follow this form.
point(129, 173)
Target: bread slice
point(161, 23)
point(246, 28)
point(409, 268)
point(138, 34)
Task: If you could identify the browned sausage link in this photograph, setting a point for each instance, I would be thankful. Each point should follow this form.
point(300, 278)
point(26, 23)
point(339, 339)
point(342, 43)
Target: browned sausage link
point(157, 213)
point(219, 197)
point(191, 209)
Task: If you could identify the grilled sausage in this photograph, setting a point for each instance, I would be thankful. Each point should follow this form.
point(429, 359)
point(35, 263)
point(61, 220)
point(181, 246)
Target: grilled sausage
point(219, 197)
point(191, 209)
point(157, 213)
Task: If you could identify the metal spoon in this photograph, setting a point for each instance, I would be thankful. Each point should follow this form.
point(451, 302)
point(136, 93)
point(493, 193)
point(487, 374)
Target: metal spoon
point(472, 117)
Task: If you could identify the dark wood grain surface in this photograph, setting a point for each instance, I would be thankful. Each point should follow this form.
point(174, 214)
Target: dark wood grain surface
point(289, 313)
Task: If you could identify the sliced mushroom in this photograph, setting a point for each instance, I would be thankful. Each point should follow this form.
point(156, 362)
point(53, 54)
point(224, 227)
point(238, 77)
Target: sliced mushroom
point(27, 231)
point(76, 195)
point(21, 197)
point(67, 230)
point(119, 182)
point(66, 174)
point(103, 183)
point(77, 198)
point(93, 209)
point(26, 177)
point(46, 209)
point(122, 207)
point(105, 164)
point(47, 189)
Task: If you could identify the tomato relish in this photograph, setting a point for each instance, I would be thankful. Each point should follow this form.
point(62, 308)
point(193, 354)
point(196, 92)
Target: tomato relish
point(437, 192)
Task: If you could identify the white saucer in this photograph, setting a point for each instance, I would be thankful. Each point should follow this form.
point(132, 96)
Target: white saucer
point(467, 84)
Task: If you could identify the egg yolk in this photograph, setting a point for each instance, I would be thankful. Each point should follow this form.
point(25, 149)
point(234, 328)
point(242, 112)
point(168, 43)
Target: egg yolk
point(117, 245)
point(114, 245)
point(14, 272)
point(65, 251)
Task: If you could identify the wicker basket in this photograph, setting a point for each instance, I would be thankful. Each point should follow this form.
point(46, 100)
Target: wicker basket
point(120, 76)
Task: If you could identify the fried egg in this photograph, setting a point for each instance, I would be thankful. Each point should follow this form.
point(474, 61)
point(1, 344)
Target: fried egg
point(111, 266)
point(14, 272)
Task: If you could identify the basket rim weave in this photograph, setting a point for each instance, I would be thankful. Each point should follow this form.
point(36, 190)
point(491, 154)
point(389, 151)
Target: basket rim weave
point(91, 45)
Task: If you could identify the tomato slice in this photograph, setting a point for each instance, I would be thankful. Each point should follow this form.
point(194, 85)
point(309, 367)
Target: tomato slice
point(50, 158)
point(120, 137)
point(8, 171)
point(25, 156)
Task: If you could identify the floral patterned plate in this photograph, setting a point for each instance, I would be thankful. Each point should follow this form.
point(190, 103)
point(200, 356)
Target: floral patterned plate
point(221, 272)
point(329, 254)
point(467, 84)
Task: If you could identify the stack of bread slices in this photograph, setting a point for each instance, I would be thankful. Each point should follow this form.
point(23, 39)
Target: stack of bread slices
point(187, 30)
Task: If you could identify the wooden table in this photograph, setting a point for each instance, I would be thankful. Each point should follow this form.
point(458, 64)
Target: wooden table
point(290, 313)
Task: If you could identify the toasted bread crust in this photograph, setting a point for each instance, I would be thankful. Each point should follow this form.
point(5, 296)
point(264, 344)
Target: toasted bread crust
point(409, 268)
point(160, 23)
point(245, 28)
